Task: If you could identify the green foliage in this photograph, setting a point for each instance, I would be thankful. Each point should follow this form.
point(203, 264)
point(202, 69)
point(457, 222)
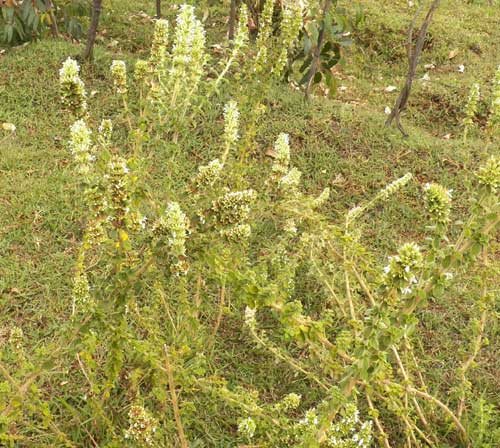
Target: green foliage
point(29, 19)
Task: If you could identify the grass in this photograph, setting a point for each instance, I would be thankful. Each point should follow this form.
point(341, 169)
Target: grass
point(341, 143)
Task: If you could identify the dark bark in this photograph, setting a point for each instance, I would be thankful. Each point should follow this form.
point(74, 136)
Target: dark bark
point(232, 20)
point(317, 51)
point(91, 35)
point(414, 52)
point(158, 9)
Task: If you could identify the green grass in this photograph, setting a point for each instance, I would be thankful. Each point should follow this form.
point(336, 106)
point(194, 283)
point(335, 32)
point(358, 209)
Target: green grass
point(341, 143)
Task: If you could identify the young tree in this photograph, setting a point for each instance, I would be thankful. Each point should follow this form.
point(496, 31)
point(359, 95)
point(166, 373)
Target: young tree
point(94, 23)
point(414, 52)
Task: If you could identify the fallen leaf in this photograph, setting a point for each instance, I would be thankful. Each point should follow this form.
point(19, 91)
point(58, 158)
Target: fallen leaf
point(453, 53)
point(390, 89)
point(9, 127)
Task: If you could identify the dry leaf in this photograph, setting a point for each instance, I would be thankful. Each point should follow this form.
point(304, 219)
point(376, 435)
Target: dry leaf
point(453, 53)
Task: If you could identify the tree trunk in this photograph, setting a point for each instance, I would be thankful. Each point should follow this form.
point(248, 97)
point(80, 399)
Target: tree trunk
point(158, 9)
point(232, 20)
point(91, 35)
point(53, 21)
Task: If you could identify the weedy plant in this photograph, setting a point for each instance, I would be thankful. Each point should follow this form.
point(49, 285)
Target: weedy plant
point(471, 108)
point(153, 281)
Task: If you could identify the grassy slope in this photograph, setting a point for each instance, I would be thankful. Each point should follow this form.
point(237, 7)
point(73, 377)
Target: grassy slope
point(341, 143)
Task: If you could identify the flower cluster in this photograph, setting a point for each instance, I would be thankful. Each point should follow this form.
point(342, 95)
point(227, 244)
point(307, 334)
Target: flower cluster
point(322, 198)
point(290, 182)
point(281, 155)
point(80, 145)
point(250, 320)
point(73, 95)
point(120, 191)
point(471, 107)
point(349, 432)
point(142, 426)
point(81, 287)
point(290, 402)
point(231, 117)
point(382, 195)
point(16, 337)
point(208, 174)
point(105, 132)
point(119, 75)
point(141, 70)
point(247, 427)
point(393, 188)
point(489, 174)
point(438, 202)
point(291, 25)
point(188, 53)
point(237, 233)
point(265, 31)
point(241, 37)
point(157, 58)
point(174, 224)
point(233, 207)
point(403, 268)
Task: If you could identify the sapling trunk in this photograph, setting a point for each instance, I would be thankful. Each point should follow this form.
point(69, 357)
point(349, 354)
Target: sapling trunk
point(413, 58)
point(317, 51)
point(91, 35)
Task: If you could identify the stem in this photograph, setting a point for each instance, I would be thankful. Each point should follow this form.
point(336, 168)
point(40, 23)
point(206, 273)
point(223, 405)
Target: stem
point(317, 51)
point(175, 406)
point(222, 296)
point(439, 403)
point(377, 422)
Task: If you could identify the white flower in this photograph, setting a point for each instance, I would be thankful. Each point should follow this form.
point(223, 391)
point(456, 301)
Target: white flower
point(406, 290)
point(426, 77)
point(387, 110)
point(461, 68)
